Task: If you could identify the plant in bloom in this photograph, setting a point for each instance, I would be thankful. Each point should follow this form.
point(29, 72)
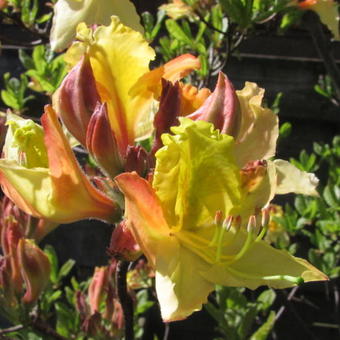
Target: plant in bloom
point(201, 214)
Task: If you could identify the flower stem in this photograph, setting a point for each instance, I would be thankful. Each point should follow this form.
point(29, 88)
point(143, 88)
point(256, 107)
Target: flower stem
point(125, 298)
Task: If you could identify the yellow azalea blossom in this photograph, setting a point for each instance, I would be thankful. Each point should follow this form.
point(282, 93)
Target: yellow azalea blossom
point(328, 11)
point(42, 176)
point(177, 9)
point(199, 225)
point(69, 13)
point(119, 58)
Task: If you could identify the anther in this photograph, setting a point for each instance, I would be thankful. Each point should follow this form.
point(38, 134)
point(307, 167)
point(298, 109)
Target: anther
point(251, 224)
point(227, 223)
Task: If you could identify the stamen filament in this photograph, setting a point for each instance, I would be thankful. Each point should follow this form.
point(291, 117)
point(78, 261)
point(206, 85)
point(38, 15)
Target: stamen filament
point(298, 280)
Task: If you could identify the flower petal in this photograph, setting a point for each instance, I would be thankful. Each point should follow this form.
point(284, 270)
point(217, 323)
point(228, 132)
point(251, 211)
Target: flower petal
point(145, 217)
point(180, 288)
point(196, 174)
point(264, 265)
point(69, 13)
point(291, 179)
point(110, 50)
point(259, 127)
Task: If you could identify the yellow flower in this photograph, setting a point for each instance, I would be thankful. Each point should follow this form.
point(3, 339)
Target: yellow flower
point(177, 9)
point(199, 224)
point(111, 66)
point(328, 11)
point(42, 176)
point(69, 13)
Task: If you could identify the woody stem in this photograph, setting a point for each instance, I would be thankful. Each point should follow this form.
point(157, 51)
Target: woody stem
point(125, 298)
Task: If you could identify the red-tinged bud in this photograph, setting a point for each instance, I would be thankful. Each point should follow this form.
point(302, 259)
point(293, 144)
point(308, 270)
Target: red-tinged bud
point(81, 305)
point(11, 233)
point(101, 142)
point(137, 159)
point(98, 288)
point(92, 324)
point(123, 245)
point(35, 269)
point(221, 108)
point(168, 112)
point(76, 99)
point(7, 290)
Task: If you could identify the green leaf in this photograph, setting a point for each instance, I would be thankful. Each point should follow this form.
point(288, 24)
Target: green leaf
point(266, 299)
point(66, 268)
point(177, 32)
point(263, 332)
point(53, 258)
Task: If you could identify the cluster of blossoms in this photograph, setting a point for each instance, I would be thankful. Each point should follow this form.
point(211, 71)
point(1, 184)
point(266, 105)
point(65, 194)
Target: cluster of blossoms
point(195, 203)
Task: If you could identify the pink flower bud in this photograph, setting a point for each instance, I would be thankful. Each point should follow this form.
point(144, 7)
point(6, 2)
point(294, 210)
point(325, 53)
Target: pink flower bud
point(35, 269)
point(98, 288)
point(76, 99)
point(221, 108)
point(123, 245)
point(101, 142)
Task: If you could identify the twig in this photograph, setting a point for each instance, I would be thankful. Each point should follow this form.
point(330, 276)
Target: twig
point(283, 308)
point(11, 329)
point(46, 329)
point(322, 45)
point(208, 23)
point(125, 298)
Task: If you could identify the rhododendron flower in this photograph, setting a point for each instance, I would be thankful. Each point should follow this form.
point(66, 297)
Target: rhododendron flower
point(101, 73)
point(200, 223)
point(41, 175)
point(69, 13)
point(328, 11)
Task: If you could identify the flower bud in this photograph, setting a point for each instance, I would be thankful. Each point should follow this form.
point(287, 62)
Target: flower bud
point(35, 269)
point(169, 110)
point(7, 291)
point(76, 99)
point(123, 244)
point(98, 288)
point(137, 159)
point(221, 108)
point(101, 142)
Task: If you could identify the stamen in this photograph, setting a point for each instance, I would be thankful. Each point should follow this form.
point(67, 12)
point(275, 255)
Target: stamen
point(297, 280)
point(265, 222)
point(218, 225)
point(225, 227)
point(249, 240)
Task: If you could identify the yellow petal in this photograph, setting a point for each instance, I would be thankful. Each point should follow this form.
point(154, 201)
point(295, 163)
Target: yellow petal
point(180, 287)
point(291, 179)
point(119, 56)
point(264, 265)
point(196, 174)
point(69, 13)
point(259, 127)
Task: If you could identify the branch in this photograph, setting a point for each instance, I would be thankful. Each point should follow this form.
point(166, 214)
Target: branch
point(125, 298)
point(323, 47)
point(11, 329)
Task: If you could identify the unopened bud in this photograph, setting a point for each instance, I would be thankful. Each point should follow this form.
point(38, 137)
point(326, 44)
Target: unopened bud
point(76, 99)
point(35, 269)
point(123, 245)
point(101, 142)
point(98, 288)
point(137, 159)
point(221, 108)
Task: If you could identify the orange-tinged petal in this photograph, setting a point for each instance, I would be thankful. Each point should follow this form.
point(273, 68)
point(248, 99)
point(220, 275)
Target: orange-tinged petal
point(192, 98)
point(73, 194)
point(145, 216)
point(173, 70)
